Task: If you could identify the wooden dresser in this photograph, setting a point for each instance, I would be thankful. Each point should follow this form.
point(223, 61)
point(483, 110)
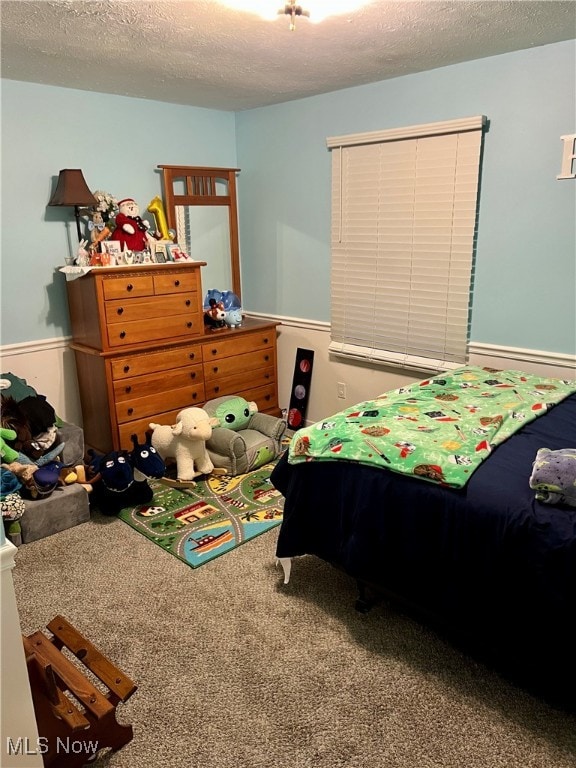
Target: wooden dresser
point(143, 354)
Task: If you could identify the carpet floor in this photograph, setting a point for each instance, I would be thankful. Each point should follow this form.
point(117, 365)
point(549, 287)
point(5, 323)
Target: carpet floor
point(236, 670)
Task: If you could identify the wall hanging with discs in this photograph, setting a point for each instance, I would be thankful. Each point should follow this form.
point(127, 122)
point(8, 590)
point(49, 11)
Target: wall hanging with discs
point(300, 388)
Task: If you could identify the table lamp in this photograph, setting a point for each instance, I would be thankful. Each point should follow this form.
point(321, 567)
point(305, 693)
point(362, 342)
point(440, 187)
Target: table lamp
point(72, 190)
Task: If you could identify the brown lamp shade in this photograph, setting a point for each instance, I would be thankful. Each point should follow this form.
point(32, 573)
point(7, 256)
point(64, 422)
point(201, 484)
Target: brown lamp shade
point(71, 189)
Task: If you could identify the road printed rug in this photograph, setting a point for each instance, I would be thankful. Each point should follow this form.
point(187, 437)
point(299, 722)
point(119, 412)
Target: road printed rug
point(201, 522)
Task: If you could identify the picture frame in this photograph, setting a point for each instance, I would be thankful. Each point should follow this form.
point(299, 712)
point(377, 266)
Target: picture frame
point(175, 253)
point(114, 249)
point(160, 255)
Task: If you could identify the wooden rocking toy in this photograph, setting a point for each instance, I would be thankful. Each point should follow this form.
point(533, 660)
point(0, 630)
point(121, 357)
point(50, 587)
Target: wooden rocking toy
point(75, 719)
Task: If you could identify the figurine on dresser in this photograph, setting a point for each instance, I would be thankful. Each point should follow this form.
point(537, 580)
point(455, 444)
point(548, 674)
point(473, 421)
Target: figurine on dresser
point(96, 225)
point(131, 230)
point(83, 254)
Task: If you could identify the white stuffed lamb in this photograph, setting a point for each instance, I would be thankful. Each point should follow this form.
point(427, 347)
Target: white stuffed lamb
point(185, 442)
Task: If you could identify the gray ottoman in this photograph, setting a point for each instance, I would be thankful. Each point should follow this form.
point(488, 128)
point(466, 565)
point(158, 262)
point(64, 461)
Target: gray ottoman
point(66, 506)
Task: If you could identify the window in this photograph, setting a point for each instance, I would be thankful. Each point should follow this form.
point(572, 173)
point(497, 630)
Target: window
point(404, 212)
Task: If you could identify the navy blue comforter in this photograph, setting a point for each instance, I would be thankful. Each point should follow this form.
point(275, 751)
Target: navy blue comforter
point(487, 562)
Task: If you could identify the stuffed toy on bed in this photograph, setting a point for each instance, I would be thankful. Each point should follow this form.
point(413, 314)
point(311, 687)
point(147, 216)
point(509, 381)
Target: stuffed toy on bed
point(554, 476)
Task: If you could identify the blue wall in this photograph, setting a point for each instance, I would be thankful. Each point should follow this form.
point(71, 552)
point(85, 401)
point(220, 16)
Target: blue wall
point(525, 281)
point(117, 142)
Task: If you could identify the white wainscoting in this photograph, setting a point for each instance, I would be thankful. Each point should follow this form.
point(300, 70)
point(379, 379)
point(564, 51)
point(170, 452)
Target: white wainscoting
point(50, 368)
point(363, 381)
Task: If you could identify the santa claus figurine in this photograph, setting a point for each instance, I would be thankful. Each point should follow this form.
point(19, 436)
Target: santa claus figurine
point(131, 230)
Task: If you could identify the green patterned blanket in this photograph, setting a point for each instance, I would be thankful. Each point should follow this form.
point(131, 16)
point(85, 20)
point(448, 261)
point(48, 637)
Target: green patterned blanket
point(440, 429)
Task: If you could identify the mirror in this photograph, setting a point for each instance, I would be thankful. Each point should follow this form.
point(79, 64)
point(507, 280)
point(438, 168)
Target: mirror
point(204, 234)
point(201, 207)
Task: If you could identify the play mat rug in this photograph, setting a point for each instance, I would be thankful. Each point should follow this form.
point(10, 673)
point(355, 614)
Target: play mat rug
point(200, 523)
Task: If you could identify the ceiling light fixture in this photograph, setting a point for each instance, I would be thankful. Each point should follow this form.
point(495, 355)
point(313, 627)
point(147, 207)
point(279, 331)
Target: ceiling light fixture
point(316, 10)
point(293, 10)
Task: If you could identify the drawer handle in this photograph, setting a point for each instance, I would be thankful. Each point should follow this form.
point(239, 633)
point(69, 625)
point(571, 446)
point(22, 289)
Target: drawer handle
point(128, 390)
point(130, 411)
point(176, 283)
point(216, 389)
point(126, 368)
point(266, 357)
point(188, 302)
point(188, 325)
point(214, 351)
point(194, 395)
point(129, 287)
point(192, 375)
point(120, 310)
point(191, 356)
point(266, 375)
point(266, 340)
point(267, 397)
point(215, 369)
point(122, 334)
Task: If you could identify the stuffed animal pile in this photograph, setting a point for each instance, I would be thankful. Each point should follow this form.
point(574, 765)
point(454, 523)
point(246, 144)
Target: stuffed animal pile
point(29, 423)
point(29, 448)
point(222, 306)
point(32, 467)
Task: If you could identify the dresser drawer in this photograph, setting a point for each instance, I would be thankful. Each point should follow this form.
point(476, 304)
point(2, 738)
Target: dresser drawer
point(141, 407)
point(161, 360)
point(128, 285)
point(266, 398)
point(181, 282)
point(139, 427)
point(231, 385)
point(245, 343)
point(250, 361)
point(154, 329)
point(163, 381)
point(146, 308)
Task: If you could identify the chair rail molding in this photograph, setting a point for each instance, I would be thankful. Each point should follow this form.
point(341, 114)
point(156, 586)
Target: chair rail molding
point(49, 366)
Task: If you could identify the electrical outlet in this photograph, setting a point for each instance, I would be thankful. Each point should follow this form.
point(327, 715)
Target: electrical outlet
point(341, 390)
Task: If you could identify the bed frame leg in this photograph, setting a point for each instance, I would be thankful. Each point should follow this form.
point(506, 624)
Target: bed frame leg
point(286, 563)
point(364, 602)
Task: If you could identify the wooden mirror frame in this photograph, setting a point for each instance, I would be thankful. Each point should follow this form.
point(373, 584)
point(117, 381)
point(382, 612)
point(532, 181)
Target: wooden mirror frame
point(201, 189)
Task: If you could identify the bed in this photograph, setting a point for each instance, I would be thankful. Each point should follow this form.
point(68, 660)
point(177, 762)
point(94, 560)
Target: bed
point(488, 562)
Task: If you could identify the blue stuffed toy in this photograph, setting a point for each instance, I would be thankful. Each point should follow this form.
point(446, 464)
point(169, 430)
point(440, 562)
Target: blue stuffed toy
point(231, 306)
point(120, 478)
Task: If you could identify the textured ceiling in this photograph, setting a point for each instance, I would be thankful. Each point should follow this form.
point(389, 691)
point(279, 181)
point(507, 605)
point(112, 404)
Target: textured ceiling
point(203, 54)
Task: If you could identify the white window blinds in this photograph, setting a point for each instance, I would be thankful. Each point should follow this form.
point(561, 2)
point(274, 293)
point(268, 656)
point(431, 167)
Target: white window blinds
point(404, 205)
